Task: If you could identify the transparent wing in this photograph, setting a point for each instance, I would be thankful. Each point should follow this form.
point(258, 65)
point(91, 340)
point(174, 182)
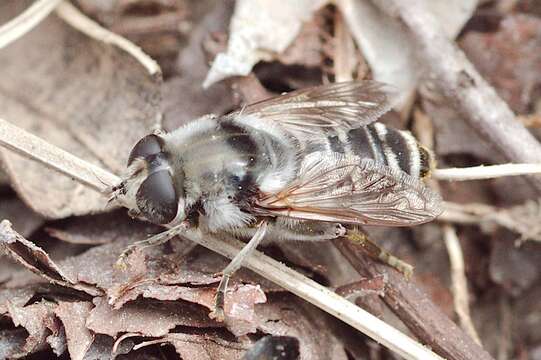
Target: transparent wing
point(348, 190)
point(346, 105)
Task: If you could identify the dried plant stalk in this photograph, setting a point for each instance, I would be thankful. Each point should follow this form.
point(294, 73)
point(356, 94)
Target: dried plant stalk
point(459, 281)
point(32, 147)
point(486, 172)
point(51, 156)
point(26, 21)
point(71, 15)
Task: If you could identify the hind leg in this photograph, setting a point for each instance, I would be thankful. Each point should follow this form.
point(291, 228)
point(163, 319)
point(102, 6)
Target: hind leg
point(358, 237)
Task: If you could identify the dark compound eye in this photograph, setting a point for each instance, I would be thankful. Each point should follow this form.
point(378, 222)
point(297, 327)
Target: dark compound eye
point(149, 145)
point(157, 199)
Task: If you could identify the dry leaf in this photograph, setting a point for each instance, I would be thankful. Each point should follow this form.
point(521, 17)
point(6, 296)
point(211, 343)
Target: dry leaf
point(208, 346)
point(18, 297)
point(38, 320)
point(148, 318)
point(259, 29)
point(510, 59)
point(87, 97)
point(184, 97)
point(73, 316)
point(37, 260)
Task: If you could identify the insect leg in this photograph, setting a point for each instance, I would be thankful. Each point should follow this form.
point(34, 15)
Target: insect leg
point(234, 265)
point(157, 239)
point(360, 238)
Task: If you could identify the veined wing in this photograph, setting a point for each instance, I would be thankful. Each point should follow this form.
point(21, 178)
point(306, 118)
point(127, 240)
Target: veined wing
point(348, 190)
point(312, 110)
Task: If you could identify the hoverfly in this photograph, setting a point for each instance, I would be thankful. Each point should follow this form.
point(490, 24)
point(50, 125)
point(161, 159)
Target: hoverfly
point(308, 165)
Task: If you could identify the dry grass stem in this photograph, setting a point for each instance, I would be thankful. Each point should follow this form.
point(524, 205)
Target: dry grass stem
point(459, 281)
point(26, 21)
point(344, 50)
point(32, 147)
point(71, 15)
point(486, 172)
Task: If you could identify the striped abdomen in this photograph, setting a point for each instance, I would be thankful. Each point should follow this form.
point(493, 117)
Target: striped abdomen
point(394, 148)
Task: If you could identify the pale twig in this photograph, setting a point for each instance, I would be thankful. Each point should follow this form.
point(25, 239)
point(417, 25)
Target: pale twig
point(17, 27)
point(344, 50)
point(71, 15)
point(459, 281)
point(448, 68)
point(51, 156)
point(32, 147)
point(486, 172)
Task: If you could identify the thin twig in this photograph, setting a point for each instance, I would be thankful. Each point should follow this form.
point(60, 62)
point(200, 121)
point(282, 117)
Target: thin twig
point(17, 27)
point(424, 126)
point(449, 69)
point(486, 172)
point(459, 281)
point(71, 15)
point(414, 308)
point(32, 147)
point(344, 50)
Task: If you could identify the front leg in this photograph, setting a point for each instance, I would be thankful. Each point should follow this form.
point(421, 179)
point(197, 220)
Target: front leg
point(234, 265)
point(154, 240)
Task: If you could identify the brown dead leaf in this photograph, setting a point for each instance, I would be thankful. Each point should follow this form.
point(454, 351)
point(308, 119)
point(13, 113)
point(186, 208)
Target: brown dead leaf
point(87, 97)
point(102, 348)
point(18, 297)
point(239, 302)
point(73, 316)
point(184, 97)
point(148, 318)
point(37, 260)
point(208, 346)
point(510, 58)
point(38, 320)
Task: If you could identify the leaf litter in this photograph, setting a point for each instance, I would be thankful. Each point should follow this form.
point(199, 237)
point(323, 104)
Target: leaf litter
point(86, 95)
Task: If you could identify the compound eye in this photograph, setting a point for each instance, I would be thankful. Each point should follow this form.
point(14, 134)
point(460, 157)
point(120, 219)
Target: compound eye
point(149, 145)
point(157, 199)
